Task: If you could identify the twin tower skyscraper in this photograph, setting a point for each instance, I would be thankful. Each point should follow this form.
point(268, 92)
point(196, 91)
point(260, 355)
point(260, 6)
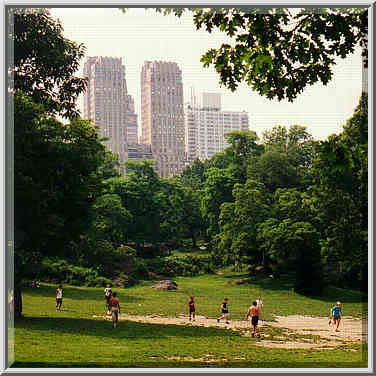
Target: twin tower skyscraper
point(112, 109)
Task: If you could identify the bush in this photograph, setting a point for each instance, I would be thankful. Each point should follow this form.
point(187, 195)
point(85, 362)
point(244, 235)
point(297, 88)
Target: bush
point(63, 272)
point(172, 266)
point(97, 281)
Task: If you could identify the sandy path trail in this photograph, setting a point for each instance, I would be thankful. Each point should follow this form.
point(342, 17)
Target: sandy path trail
point(351, 330)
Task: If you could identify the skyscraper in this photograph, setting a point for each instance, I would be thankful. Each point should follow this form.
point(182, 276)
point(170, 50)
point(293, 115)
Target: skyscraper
point(108, 103)
point(206, 124)
point(162, 114)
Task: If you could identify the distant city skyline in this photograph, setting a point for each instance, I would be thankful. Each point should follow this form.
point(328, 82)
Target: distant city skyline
point(108, 103)
point(143, 35)
point(163, 115)
point(206, 125)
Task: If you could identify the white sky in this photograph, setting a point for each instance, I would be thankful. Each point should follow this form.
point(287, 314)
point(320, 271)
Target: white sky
point(140, 35)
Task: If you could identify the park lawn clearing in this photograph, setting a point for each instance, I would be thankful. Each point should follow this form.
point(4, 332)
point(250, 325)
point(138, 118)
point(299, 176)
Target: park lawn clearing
point(79, 336)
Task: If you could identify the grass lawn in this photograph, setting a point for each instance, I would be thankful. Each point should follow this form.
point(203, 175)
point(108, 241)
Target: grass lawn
point(74, 338)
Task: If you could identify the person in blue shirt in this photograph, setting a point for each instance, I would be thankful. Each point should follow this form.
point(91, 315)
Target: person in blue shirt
point(336, 315)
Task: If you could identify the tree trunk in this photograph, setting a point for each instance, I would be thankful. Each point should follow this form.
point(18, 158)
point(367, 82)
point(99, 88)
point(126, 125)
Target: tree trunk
point(17, 302)
point(194, 244)
point(193, 237)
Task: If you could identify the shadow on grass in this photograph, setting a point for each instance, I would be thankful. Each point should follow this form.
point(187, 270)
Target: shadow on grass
point(330, 293)
point(125, 330)
point(81, 293)
point(236, 276)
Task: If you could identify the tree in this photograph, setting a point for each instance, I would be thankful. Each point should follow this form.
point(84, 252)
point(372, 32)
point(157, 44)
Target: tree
point(341, 199)
point(139, 193)
point(293, 204)
point(243, 146)
point(294, 246)
point(180, 213)
point(217, 190)
point(45, 61)
point(239, 223)
point(193, 176)
point(110, 167)
point(287, 160)
point(55, 165)
point(55, 180)
point(274, 169)
point(279, 51)
point(55, 183)
point(110, 219)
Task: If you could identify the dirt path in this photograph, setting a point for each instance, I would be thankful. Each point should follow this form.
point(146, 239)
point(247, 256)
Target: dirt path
point(296, 331)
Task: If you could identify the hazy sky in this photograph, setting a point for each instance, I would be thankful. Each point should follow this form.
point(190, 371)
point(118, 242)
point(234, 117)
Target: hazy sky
point(140, 35)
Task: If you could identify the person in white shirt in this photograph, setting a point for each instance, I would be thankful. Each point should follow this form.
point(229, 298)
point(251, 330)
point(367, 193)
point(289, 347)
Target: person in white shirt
point(59, 297)
point(108, 296)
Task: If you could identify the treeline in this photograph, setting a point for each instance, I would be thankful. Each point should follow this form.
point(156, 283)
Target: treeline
point(291, 203)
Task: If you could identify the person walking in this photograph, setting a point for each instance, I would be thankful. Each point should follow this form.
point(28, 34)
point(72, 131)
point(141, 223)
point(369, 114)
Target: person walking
point(114, 307)
point(259, 306)
point(253, 313)
point(192, 308)
point(336, 315)
point(59, 297)
point(225, 311)
point(108, 296)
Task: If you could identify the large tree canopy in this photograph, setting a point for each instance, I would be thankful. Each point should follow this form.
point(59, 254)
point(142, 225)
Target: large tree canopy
point(45, 61)
point(279, 51)
point(55, 180)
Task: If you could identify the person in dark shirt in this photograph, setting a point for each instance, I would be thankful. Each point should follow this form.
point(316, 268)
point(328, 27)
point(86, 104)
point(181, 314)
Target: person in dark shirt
point(192, 308)
point(225, 311)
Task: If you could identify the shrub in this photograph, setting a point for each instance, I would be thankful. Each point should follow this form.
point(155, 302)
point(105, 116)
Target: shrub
point(188, 265)
point(63, 272)
point(97, 281)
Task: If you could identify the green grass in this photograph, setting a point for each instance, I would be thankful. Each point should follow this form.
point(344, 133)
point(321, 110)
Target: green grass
point(74, 338)
point(189, 252)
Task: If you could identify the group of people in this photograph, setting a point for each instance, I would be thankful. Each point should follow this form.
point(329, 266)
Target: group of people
point(253, 313)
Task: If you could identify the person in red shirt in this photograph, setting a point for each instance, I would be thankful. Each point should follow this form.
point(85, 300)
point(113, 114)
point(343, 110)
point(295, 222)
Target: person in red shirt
point(114, 306)
point(192, 308)
point(254, 313)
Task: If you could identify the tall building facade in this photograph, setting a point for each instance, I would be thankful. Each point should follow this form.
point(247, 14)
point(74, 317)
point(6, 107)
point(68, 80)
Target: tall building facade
point(108, 103)
point(206, 124)
point(162, 115)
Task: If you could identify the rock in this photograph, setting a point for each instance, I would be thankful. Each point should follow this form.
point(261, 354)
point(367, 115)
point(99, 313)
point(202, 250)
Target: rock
point(166, 285)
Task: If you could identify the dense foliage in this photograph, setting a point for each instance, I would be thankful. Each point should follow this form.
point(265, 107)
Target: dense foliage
point(55, 164)
point(299, 205)
point(45, 61)
point(279, 51)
